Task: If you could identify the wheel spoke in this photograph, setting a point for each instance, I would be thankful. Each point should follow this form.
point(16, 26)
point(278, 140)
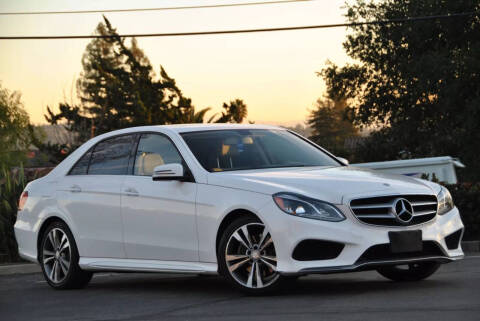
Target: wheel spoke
point(258, 278)
point(270, 265)
point(239, 239)
point(247, 235)
point(250, 276)
point(270, 258)
point(65, 246)
point(49, 253)
point(263, 237)
point(47, 259)
point(63, 241)
point(267, 242)
point(57, 271)
point(50, 238)
point(52, 271)
point(55, 238)
point(65, 262)
point(237, 265)
point(63, 267)
point(234, 257)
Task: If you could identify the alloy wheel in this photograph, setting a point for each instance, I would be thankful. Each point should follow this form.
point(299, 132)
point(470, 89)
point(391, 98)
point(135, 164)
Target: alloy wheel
point(56, 255)
point(250, 256)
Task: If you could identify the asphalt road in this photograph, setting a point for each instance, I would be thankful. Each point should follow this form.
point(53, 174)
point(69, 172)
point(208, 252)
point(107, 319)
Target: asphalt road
point(453, 293)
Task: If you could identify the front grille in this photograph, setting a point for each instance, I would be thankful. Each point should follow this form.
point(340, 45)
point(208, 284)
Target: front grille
point(379, 210)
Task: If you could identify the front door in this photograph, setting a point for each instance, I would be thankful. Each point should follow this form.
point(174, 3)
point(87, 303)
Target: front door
point(158, 216)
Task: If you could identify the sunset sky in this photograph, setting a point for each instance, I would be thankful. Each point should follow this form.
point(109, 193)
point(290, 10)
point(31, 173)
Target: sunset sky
point(274, 73)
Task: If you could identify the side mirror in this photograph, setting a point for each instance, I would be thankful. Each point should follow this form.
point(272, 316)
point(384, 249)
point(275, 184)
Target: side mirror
point(168, 172)
point(343, 160)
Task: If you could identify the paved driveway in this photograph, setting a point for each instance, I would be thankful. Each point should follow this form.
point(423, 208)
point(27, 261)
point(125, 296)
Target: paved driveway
point(451, 294)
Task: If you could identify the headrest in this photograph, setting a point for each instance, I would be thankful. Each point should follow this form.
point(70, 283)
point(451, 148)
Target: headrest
point(147, 162)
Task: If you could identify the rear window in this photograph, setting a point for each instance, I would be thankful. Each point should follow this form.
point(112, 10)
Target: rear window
point(81, 166)
point(111, 156)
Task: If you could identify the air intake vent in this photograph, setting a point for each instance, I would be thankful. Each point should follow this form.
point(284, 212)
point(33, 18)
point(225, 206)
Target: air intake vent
point(395, 210)
point(311, 250)
point(453, 240)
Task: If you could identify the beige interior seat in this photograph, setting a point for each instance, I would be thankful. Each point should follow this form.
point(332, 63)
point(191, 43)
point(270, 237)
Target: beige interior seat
point(146, 162)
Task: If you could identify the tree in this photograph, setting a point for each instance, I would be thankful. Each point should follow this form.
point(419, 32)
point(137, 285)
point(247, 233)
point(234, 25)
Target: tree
point(12, 184)
point(417, 82)
point(329, 124)
point(118, 88)
point(301, 129)
point(14, 129)
point(235, 112)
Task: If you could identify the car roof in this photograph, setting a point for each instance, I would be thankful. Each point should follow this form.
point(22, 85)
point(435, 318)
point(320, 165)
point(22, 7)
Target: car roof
point(184, 128)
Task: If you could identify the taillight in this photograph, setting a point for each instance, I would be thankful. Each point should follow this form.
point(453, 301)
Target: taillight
point(23, 200)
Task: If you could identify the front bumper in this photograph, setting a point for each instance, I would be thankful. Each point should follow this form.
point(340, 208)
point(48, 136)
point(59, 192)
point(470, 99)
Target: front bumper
point(288, 231)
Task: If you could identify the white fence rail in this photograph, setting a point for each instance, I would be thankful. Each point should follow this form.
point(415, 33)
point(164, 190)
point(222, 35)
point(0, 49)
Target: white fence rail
point(443, 167)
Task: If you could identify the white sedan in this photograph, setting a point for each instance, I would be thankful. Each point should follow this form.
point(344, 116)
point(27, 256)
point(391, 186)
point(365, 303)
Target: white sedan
point(256, 204)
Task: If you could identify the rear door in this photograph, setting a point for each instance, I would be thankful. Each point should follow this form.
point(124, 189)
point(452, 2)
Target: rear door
point(159, 216)
point(91, 193)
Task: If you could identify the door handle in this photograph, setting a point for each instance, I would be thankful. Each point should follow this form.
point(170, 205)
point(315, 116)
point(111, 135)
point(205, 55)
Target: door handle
point(75, 189)
point(131, 192)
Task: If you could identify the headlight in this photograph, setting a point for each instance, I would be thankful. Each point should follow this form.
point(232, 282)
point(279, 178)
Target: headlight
point(445, 201)
point(306, 207)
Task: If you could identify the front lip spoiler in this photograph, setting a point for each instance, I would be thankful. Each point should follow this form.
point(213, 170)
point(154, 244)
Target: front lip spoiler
point(371, 265)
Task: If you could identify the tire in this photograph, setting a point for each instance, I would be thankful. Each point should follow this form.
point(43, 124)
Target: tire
point(253, 270)
point(58, 258)
point(413, 272)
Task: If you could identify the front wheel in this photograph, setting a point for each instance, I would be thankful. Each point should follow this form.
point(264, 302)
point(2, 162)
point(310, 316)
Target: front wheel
point(59, 258)
point(409, 272)
point(247, 257)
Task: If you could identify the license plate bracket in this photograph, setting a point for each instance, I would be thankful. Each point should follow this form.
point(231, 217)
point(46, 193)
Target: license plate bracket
point(405, 241)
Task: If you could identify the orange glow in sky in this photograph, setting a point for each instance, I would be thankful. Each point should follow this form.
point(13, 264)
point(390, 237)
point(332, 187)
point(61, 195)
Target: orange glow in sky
point(274, 73)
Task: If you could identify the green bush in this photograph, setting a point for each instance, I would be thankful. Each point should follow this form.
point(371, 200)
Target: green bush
point(467, 198)
point(11, 186)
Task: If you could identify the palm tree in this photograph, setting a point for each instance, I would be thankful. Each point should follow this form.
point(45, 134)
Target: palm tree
point(235, 112)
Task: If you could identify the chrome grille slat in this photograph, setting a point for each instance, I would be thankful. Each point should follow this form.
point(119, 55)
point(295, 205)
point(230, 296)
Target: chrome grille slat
point(423, 203)
point(378, 210)
point(374, 216)
point(372, 206)
point(420, 213)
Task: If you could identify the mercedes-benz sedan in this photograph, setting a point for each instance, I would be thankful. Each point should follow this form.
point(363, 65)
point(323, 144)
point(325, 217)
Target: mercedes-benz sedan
point(256, 204)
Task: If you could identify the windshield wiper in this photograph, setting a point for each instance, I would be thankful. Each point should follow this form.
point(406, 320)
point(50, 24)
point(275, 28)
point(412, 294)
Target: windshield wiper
point(267, 167)
point(287, 165)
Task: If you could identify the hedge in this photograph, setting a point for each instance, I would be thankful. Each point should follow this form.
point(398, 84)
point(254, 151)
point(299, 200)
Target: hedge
point(11, 186)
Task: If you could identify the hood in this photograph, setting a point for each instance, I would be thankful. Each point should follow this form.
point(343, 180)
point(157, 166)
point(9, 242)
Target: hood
point(330, 184)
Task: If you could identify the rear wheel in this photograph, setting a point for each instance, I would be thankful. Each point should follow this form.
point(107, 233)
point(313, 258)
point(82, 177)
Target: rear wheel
point(59, 258)
point(409, 272)
point(247, 257)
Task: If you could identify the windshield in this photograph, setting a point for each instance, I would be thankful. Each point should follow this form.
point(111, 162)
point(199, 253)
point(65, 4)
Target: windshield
point(241, 149)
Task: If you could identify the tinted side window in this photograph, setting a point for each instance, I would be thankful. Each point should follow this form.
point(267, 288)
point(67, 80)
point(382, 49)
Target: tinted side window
point(110, 157)
point(81, 166)
point(154, 150)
